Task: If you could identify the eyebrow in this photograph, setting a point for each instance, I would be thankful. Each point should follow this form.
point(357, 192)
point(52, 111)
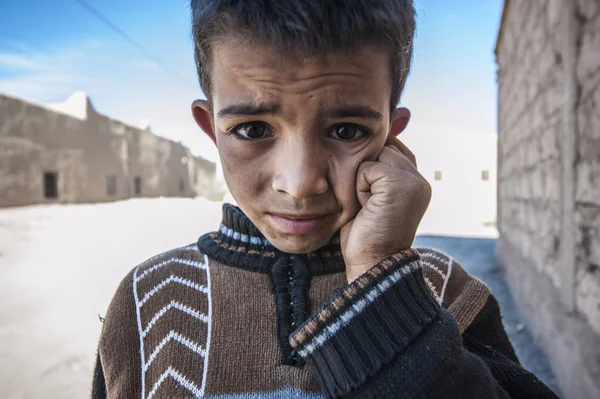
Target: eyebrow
point(248, 110)
point(355, 111)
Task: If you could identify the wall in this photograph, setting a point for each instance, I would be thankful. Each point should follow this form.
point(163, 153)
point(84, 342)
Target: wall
point(462, 204)
point(587, 162)
point(84, 150)
point(548, 56)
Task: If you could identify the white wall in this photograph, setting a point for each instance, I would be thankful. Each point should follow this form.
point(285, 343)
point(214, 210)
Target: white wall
point(461, 202)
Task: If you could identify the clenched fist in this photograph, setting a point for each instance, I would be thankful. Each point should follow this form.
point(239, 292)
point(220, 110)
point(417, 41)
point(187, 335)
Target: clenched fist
point(394, 197)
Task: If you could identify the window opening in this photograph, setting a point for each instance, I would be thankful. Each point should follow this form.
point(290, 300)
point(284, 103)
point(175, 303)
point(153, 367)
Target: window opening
point(111, 185)
point(137, 185)
point(50, 185)
point(485, 175)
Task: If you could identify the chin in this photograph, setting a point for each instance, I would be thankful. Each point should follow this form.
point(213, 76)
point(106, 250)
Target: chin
point(299, 244)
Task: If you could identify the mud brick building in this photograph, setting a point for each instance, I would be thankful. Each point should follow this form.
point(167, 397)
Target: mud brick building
point(69, 153)
point(548, 56)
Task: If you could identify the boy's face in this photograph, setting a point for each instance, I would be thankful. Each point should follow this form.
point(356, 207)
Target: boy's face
point(291, 134)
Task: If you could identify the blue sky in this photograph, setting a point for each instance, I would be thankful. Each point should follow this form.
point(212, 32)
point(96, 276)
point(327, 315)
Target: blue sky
point(50, 49)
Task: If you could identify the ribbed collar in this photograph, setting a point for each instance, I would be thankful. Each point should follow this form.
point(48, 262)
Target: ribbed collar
point(239, 243)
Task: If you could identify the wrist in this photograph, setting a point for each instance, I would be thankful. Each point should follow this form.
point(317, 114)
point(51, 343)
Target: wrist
point(355, 269)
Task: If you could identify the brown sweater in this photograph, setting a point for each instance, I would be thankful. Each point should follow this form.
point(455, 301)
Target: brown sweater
point(232, 317)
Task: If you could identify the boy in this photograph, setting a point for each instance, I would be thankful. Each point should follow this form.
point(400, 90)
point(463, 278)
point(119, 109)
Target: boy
point(310, 288)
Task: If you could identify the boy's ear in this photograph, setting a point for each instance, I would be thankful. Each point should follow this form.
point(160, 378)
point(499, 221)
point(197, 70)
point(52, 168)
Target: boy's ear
point(399, 121)
point(204, 118)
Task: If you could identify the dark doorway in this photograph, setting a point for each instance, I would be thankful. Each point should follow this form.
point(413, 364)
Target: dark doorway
point(111, 185)
point(50, 185)
point(137, 185)
point(181, 185)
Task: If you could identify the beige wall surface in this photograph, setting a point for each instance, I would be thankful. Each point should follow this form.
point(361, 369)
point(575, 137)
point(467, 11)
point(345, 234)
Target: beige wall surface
point(548, 56)
point(529, 124)
point(85, 154)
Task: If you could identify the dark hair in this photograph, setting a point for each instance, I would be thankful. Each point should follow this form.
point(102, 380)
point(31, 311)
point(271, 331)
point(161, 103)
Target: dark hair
point(307, 27)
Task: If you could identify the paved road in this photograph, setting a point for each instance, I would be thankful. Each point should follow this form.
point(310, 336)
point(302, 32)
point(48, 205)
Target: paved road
point(59, 266)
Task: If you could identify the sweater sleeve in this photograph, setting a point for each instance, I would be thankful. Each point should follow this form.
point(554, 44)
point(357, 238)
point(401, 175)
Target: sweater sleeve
point(117, 371)
point(385, 336)
point(487, 339)
point(98, 383)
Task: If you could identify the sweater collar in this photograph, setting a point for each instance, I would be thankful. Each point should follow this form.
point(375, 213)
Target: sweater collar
point(239, 243)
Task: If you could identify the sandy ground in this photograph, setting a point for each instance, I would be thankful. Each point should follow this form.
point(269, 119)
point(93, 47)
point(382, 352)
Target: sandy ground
point(59, 266)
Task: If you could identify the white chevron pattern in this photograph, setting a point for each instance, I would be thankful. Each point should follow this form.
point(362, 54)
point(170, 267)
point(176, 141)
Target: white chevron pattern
point(162, 264)
point(433, 290)
point(434, 268)
point(430, 255)
point(172, 279)
point(446, 280)
point(172, 336)
point(170, 372)
point(443, 259)
point(174, 304)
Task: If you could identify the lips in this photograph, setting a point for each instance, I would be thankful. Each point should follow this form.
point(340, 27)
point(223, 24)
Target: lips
point(298, 224)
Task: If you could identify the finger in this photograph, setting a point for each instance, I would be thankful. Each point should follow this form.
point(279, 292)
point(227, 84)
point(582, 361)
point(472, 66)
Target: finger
point(375, 177)
point(368, 172)
point(389, 184)
point(400, 146)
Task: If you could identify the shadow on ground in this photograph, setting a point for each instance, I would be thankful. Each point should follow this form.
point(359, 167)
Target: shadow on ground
point(477, 256)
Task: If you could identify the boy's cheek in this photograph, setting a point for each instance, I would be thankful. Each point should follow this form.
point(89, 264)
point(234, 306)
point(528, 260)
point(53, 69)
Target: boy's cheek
point(344, 170)
point(343, 176)
point(243, 179)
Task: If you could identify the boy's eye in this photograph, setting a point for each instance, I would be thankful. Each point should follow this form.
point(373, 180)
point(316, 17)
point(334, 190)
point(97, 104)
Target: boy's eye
point(348, 132)
point(250, 130)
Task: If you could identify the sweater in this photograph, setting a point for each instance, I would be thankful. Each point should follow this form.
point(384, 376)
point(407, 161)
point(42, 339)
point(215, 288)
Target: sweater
point(232, 317)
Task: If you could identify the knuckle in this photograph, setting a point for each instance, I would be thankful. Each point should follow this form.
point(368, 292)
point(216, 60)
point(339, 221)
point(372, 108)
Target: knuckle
point(420, 188)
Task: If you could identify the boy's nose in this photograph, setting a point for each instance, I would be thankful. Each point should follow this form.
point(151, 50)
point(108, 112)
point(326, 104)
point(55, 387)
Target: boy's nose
point(300, 171)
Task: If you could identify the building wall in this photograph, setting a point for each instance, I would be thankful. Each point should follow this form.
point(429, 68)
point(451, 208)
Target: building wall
point(548, 56)
point(587, 162)
point(85, 153)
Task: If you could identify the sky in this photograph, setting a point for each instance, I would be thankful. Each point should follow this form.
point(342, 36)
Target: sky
point(51, 48)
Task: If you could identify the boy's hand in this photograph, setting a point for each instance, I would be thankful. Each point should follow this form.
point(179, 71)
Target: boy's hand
point(394, 197)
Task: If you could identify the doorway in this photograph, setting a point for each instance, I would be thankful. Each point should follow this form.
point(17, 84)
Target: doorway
point(50, 185)
point(137, 186)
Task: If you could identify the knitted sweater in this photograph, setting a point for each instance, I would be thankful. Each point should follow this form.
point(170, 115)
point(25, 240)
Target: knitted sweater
point(232, 317)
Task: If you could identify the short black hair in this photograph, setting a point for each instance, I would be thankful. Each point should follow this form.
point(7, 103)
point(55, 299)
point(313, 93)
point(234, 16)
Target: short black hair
point(307, 27)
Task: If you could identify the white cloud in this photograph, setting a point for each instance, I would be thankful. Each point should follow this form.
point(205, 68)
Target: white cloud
point(17, 61)
point(35, 87)
point(40, 76)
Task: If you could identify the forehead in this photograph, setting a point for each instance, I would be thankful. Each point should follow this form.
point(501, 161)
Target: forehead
point(243, 72)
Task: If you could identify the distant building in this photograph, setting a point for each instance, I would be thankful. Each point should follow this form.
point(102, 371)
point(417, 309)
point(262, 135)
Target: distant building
point(69, 153)
point(548, 56)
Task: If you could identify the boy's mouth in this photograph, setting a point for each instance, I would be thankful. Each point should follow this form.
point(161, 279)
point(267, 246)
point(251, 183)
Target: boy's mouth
point(298, 224)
